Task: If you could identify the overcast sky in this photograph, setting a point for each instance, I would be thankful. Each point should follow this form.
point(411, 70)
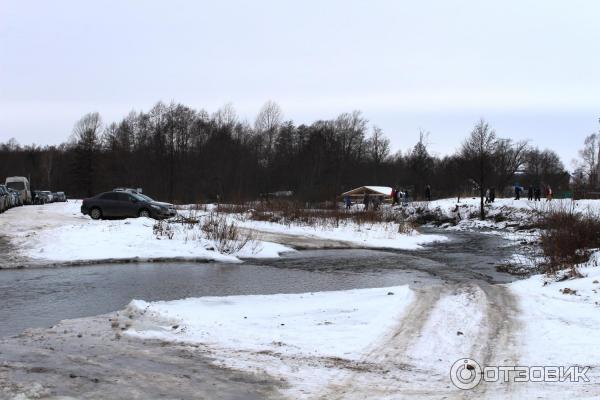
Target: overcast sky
point(531, 68)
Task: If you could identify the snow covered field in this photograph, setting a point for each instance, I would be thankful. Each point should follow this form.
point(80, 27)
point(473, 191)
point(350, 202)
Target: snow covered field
point(58, 232)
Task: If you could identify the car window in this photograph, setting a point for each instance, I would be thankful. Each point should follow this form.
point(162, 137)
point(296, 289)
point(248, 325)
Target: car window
point(138, 196)
point(122, 196)
point(109, 196)
point(16, 185)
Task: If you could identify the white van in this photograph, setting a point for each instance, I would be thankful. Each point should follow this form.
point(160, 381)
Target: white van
point(20, 184)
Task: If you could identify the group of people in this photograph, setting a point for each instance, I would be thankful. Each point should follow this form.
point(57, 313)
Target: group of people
point(490, 195)
point(534, 193)
point(399, 196)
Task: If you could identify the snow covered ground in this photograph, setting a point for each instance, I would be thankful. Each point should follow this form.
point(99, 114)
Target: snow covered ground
point(370, 344)
point(375, 235)
point(58, 232)
point(306, 339)
point(393, 342)
point(504, 214)
point(561, 321)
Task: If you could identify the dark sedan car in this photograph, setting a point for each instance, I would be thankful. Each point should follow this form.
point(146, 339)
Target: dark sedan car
point(122, 205)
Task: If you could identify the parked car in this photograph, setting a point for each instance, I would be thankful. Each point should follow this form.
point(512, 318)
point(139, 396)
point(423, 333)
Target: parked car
point(20, 184)
point(61, 196)
point(15, 198)
point(121, 204)
point(37, 197)
point(4, 200)
point(169, 206)
point(48, 195)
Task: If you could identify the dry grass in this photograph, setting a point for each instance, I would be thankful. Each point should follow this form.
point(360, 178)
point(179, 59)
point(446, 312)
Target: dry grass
point(226, 236)
point(163, 230)
point(293, 213)
point(568, 237)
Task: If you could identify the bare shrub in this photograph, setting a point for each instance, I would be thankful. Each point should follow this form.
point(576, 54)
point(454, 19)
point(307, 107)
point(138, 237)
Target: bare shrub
point(288, 212)
point(163, 229)
point(226, 236)
point(568, 238)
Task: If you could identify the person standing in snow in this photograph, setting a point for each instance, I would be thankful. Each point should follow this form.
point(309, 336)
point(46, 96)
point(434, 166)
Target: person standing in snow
point(537, 193)
point(366, 201)
point(492, 194)
point(488, 196)
point(428, 193)
point(517, 191)
point(548, 193)
point(376, 203)
point(530, 193)
point(347, 202)
point(394, 197)
point(406, 197)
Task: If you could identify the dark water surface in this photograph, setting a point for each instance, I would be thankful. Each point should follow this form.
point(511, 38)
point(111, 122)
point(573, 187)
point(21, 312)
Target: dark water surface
point(42, 297)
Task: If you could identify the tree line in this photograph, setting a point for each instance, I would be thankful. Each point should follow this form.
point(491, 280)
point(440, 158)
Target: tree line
point(185, 155)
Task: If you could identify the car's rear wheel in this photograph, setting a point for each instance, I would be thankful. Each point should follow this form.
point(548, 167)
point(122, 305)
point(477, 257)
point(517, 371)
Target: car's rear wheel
point(144, 214)
point(95, 213)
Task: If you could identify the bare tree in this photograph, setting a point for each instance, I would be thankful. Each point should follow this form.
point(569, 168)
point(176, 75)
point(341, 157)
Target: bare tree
point(420, 162)
point(87, 130)
point(378, 149)
point(477, 152)
point(225, 116)
point(588, 162)
point(86, 141)
point(508, 158)
point(267, 125)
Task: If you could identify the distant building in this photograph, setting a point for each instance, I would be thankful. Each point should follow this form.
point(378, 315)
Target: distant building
point(359, 192)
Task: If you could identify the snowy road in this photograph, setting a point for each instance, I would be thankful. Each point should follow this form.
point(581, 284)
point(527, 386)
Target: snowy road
point(449, 303)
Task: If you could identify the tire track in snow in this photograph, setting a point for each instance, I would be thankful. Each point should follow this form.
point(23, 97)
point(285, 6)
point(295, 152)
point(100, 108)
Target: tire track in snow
point(401, 374)
point(389, 354)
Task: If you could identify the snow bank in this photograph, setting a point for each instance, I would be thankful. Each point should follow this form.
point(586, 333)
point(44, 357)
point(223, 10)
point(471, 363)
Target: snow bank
point(561, 327)
point(298, 337)
point(504, 213)
point(561, 320)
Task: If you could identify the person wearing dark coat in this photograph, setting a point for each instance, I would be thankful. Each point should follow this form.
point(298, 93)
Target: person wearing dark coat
point(537, 193)
point(366, 201)
point(406, 197)
point(348, 202)
point(530, 193)
point(428, 193)
point(518, 192)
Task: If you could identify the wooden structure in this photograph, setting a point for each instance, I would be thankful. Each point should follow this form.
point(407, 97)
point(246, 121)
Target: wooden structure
point(373, 191)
